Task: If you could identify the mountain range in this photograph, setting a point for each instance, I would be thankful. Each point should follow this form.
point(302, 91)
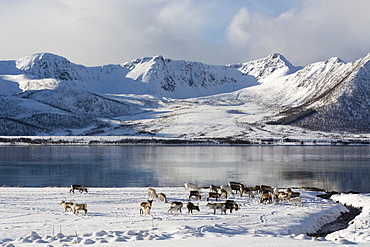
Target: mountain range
point(47, 95)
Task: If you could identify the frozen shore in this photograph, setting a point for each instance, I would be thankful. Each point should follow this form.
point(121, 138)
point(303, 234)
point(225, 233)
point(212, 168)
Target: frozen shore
point(34, 217)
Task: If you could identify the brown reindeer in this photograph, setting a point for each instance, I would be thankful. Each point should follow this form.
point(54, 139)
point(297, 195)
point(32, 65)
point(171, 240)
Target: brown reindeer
point(152, 193)
point(213, 195)
point(235, 186)
point(145, 207)
point(175, 207)
point(266, 197)
point(77, 187)
point(232, 205)
point(79, 207)
point(292, 193)
point(162, 197)
point(195, 193)
point(247, 190)
point(213, 188)
point(190, 206)
point(67, 205)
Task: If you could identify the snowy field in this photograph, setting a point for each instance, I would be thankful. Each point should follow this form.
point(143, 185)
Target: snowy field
point(35, 217)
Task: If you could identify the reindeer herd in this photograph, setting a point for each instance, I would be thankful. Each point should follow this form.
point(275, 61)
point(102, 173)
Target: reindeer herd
point(266, 194)
point(75, 207)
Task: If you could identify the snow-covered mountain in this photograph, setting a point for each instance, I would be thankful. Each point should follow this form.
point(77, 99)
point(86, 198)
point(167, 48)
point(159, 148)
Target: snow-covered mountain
point(151, 75)
point(273, 66)
point(328, 96)
point(46, 94)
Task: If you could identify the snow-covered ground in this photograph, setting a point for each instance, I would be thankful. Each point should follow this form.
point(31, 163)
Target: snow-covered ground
point(358, 229)
point(34, 217)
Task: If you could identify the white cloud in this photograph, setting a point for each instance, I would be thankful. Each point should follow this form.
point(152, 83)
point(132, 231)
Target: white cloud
point(96, 32)
point(317, 31)
point(238, 34)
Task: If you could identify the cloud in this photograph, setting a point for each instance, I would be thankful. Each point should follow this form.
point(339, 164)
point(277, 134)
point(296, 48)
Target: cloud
point(97, 32)
point(238, 31)
point(316, 31)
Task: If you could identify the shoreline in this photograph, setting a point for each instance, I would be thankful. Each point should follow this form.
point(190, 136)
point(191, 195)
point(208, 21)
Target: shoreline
point(134, 140)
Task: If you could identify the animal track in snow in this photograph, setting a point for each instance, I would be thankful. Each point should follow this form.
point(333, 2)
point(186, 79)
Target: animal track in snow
point(263, 218)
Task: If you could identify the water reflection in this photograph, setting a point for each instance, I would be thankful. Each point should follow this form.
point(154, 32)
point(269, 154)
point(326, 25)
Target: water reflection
point(329, 167)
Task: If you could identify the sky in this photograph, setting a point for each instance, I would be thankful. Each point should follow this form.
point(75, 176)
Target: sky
point(99, 32)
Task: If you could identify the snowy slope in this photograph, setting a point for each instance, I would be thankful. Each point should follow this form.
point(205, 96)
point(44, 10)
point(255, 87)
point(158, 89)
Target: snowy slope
point(168, 98)
point(330, 95)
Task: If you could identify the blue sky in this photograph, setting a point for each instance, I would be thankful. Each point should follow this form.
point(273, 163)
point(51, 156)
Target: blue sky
point(98, 32)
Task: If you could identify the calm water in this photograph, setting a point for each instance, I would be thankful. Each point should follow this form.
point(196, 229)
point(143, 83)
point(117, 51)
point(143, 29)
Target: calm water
point(329, 167)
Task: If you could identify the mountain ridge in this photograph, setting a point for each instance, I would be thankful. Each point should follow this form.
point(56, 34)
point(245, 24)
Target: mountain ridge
point(154, 95)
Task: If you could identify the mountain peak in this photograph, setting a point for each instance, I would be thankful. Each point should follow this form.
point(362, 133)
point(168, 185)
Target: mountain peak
point(45, 65)
point(280, 58)
point(335, 60)
point(275, 55)
point(26, 63)
point(272, 66)
point(158, 57)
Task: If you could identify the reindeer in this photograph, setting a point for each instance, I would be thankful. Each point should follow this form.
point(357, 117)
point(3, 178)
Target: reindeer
point(194, 193)
point(279, 196)
point(248, 191)
point(223, 193)
point(67, 205)
point(266, 197)
point(79, 207)
point(266, 188)
point(190, 206)
point(152, 193)
point(213, 188)
point(230, 204)
point(191, 186)
point(257, 188)
point(292, 193)
point(145, 207)
point(219, 205)
point(235, 186)
point(162, 197)
point(213, 195)
point(77, 187)
point(175, 207)
point(227, 188)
